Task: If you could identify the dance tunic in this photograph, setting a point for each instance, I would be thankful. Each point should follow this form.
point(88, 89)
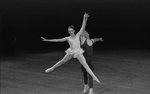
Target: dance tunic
point(75, 48)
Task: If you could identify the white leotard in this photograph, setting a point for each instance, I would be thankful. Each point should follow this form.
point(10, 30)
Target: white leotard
point(74, 42)
point(75, 48)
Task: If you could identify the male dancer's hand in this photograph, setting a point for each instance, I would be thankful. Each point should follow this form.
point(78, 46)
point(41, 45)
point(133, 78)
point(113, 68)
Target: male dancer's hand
point(101, 39)
point(49, 69)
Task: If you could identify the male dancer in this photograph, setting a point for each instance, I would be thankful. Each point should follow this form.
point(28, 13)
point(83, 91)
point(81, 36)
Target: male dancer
point(87, 46)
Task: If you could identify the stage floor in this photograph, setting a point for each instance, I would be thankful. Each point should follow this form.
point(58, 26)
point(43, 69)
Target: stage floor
point(120, 72)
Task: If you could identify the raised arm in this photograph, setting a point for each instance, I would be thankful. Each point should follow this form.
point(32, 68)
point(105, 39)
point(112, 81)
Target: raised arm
point(55, 40)
point(85, 17)
point(97, 39)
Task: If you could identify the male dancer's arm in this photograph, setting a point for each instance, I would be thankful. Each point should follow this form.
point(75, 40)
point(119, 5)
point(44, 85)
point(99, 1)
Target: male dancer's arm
point(55, 40)
point(97, 39)
point(85, 17)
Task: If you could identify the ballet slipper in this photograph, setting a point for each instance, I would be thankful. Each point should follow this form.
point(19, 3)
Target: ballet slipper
point(86, 87)
point(91, 91)
point(49, 69)
point(96, 79)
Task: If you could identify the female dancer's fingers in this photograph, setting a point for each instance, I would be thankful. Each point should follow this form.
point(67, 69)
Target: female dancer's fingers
point(42, 38)
point(86, 15)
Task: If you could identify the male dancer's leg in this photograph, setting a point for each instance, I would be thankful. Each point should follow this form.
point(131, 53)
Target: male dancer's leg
point(88, 80)
point(85, 75)
point(91, 65)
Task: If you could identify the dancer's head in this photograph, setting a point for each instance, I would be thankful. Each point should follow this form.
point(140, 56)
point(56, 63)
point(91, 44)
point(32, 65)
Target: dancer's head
point(71, 30)
point(86, 34)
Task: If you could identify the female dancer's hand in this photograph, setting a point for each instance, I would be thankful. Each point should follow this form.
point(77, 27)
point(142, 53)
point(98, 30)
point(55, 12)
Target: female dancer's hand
point(49, 69)
point(43, 39)
point(86, 15)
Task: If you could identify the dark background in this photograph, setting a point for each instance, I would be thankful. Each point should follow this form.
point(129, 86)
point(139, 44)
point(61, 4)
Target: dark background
point(123, 24)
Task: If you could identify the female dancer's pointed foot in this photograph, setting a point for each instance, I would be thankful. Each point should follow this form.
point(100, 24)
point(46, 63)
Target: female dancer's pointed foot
point(49, 69)
point(96, 79)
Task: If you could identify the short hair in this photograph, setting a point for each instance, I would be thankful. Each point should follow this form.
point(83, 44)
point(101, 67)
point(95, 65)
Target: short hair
point(71, 26)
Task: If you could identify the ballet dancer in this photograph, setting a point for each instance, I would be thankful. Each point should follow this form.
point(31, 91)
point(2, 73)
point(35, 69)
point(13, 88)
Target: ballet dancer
point(87, 46)
point(75, 50)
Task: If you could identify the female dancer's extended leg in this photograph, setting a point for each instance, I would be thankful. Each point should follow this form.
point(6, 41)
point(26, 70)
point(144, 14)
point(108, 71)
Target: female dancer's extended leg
point(83, 62)
point(64, 60)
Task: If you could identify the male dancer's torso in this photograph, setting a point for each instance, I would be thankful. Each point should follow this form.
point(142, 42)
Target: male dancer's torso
point(87, 46)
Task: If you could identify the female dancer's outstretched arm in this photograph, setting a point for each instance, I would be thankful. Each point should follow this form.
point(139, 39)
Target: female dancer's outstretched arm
point(85, 17)
point(55, 40)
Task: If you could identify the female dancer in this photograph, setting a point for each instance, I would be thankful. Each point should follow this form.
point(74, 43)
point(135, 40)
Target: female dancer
point(87, 46)
point(74, 50)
